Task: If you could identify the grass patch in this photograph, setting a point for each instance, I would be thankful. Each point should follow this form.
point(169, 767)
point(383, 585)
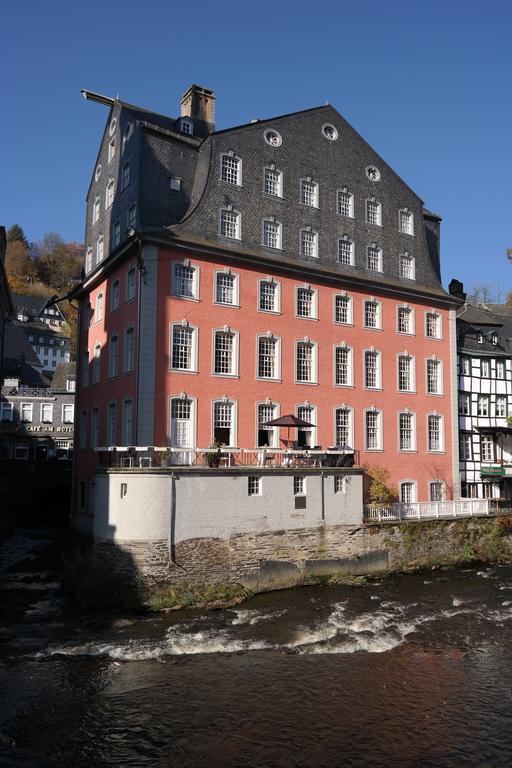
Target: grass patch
point(163, 597)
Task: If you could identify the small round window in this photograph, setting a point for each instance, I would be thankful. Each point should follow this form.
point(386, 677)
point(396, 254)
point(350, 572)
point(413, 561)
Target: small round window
point(273, 138)
point(373, 173)
point(98, 172)
point(113, 125)
point(330, 132)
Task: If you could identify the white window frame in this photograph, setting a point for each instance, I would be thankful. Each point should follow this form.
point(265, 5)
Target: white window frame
point(412, 372)
point(439, 377)
point(375, 248)
point(111, 424)
point(413, 486)
point(109, 193)
point(131, 216)
point(278, 234)
point(501, 406)
point(378, 314)
point(442, 487)
point(465, 446)
point(409, 228)
point(115, 295)
point(66, 406)
point(234, 351)
point(485, 368)
point(487, 448)
point(187, 264)
point(314, 361)
point(500, 370)
point(372, 201)
point(125, 175)
point(410, 312)
point(234, 420)
point(440, 449)
point(235, 170)
point(408, 259)
point(314, 302)
point(412, 448)
point(100, 249)
point(186, 126)
point(277, 356)
point(127, 435)
point(483, 400)
point(277, 295)
point(464, 403)
point(113, 355)
point(313, 243)
point(111, 149)
point(378, 368)
point(345, 239)
point(236, 288)
point(350, 316)
point(96, 207)
point(350, 426)
point(305, 194)
point(131, 286)
point(45, 406)
point(193, 419)
point(193, 347)
point(98, 315)
point(345, 191)
point(129, 353)
point(273, 431)
point(236, 223)
point(88, 259)
point(254, 485)
point(438, 325)
point(299, 485)
point(312, 417)
point(379, 421)
point(350, 365)
point(272, 169)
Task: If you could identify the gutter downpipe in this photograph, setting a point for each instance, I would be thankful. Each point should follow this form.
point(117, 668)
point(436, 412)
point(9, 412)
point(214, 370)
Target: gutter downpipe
point(322, 475)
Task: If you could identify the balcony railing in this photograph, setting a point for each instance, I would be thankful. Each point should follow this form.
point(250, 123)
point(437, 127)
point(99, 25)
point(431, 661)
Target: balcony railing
point(145, 457)
point(427, 510)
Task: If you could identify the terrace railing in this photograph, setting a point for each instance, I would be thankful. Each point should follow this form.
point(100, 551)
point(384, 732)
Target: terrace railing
point(427, 510)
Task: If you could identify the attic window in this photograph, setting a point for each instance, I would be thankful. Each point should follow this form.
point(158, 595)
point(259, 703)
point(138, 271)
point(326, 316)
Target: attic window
point(113, 125)
point(479, 337)
point(98, 172)
point(174, 183)
point(330, 132)
point(187, 126)
point(272, 137)
point(494, 339)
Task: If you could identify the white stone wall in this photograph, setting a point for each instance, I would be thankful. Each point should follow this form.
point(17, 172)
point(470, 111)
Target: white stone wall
point(143, 506)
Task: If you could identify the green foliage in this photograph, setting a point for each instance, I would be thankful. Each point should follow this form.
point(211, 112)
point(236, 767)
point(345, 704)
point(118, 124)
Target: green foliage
point(174, 596)
point(377, 486)
point(16, 234)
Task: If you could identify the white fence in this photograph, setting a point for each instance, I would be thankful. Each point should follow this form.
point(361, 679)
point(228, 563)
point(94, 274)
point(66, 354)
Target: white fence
point(426, 510)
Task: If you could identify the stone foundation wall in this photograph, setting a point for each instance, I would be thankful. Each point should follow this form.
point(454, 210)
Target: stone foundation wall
point(278, 559)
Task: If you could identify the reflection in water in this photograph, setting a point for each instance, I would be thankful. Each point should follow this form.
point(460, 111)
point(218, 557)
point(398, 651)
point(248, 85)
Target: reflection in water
point(407, 671)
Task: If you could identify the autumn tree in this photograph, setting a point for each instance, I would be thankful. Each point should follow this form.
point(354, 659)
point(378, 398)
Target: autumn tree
point(377, 488)
point(58, 263)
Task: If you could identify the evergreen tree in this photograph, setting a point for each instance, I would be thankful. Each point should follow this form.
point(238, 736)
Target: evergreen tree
point(16, 234)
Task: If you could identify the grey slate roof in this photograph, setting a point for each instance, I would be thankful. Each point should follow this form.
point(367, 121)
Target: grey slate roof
point(63, 372)
point(472, 320)
point(20, 360)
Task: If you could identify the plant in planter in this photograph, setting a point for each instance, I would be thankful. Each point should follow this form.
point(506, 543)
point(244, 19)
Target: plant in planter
point(213, 458)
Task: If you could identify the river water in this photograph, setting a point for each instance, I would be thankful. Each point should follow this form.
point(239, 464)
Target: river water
point(409, 670)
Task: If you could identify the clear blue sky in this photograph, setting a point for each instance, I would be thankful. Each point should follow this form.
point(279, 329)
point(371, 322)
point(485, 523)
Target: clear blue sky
point(427, 84)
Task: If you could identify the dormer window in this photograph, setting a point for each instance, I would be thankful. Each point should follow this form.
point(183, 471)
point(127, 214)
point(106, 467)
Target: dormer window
point(111, 149)
point(494, 339)
point(186, 126)
point(309, 193)
point(479, 337)
point(231, 169)
point(406, 222)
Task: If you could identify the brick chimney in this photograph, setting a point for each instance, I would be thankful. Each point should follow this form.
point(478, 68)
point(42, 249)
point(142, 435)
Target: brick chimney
point(198, 103)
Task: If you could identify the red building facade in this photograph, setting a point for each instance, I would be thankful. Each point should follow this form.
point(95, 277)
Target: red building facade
point(289, 282)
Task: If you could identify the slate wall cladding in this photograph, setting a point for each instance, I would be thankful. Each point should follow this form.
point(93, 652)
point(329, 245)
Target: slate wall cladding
point(332, 164)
